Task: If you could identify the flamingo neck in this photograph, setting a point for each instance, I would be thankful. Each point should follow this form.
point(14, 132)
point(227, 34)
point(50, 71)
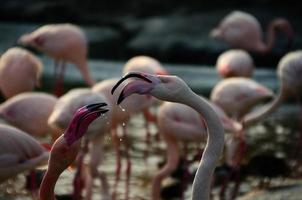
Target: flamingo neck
point(48, 185)
point(168, 168)
point(213, 149)
point(265, 110)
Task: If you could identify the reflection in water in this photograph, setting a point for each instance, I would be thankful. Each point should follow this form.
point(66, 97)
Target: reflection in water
point(277, 134)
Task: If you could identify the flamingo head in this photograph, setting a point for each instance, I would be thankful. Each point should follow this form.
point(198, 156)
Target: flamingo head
point(81, 120)
point(163, 87)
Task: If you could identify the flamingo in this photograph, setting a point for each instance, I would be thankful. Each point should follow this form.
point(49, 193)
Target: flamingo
point(289, 72)
point(242, 30)
point(25, 108)
point(237, 96)
point(174, 89)
point(180, 123)
point(235, 62)
point(67, 146)
point(20, 71)
point(64, 43)
point(59, 120)
point(19, 152)
point(120, 116)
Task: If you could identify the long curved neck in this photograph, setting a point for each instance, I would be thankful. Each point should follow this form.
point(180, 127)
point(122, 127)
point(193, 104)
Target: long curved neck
point(48, 185)
point(262, 112)
point(168, 168)
point(213, 149)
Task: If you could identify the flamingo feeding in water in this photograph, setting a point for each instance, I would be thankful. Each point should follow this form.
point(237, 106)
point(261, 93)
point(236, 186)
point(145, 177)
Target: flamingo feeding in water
point(180, 123)
point(18, 152)
point(120, 115)
point(25, 108)
point(174, 89)
point(242, 30)
point(289, 72)
point(59, 119)
point(233, 63)
point(20, 71)
point(237, 96)
point(67, 146)
point(64, 43)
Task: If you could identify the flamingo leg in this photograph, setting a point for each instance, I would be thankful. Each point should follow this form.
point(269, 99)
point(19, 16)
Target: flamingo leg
point(116, 143)
point(128, 160)
point(96, 159)
point(186, 174)
point(148, 134)
point(60, 79)
point(78, 182)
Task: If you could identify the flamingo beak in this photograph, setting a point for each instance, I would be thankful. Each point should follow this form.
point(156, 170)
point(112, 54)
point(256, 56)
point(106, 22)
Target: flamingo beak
point(77, 126)
point(140, 86)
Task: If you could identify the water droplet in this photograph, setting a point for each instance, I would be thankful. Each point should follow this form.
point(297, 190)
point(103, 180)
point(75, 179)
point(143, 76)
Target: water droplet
point(121, 139)
point(123, 124)
point(123, 109)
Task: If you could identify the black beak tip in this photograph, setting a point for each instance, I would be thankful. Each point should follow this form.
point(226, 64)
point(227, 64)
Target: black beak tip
point(104, 111)
point(96, 105)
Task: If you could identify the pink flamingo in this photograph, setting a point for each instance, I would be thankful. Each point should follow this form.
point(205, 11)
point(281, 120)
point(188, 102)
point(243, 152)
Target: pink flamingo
point(62, 114)
point(24, 109)
point(20, 71)
point(235, 62)
point(180, 123)
point(120, 116)
point(289, 72)
point(67, 146)
point(19, 152)
point(244, 91)
point(64, 43)
point(242, 30)
point(174, 89)
point(237, 96)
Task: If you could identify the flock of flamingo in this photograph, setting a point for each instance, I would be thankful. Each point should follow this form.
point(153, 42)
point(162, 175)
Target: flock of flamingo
point(73, 125)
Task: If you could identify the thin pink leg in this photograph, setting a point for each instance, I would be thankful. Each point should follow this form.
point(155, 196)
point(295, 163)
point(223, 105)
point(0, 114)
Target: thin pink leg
point(116, 143)
point(78, 182)
point(236, 169)
point(59, 81)
point(148, 134)
point(186, 174)
point(128, 160)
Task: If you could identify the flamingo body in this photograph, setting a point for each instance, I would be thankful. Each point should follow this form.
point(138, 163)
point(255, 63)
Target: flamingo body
point(62, 42)
point(242, 30)
point(29, 111)
point(18, 152)
point(237, 96)
point(235, 63)
point(20, 71)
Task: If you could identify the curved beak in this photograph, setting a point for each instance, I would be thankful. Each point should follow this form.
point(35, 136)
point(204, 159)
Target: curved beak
point(140, 86)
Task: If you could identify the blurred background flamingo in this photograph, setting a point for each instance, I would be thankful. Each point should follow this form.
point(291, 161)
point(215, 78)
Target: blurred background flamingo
point(242, 30)
point(64, 43)
point(20, 71)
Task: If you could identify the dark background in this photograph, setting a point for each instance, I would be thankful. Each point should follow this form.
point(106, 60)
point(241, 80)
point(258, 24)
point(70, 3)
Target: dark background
point(172, 31)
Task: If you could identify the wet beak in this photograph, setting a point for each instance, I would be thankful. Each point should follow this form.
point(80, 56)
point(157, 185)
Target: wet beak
point(143, 82)
point(129, 75)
